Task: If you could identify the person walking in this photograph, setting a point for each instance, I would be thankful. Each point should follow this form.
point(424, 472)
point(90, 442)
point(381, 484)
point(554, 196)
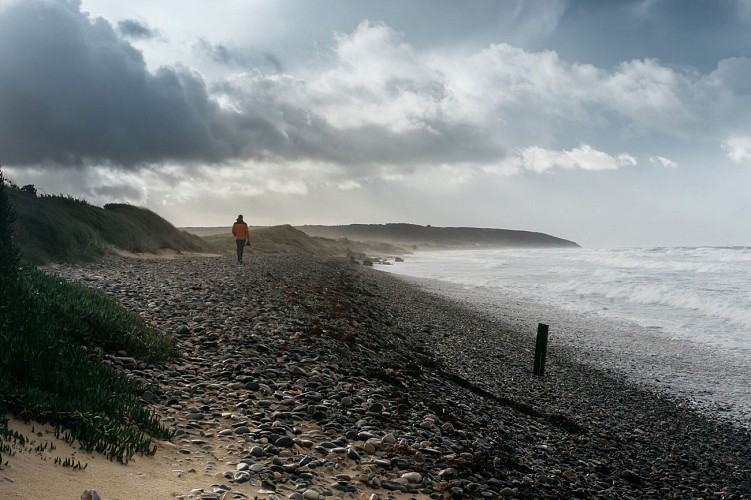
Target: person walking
point(242, 236)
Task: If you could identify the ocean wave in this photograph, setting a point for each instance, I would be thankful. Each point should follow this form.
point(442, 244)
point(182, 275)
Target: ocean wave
point(714, 303)
point(702, 293)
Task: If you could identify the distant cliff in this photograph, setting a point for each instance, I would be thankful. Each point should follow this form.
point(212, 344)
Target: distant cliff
point(426, 237)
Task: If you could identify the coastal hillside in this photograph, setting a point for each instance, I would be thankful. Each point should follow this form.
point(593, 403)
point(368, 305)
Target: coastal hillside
point(289, 240)
point(426, 237)
point(64, 229)
point(61, 228)
point(274, 239)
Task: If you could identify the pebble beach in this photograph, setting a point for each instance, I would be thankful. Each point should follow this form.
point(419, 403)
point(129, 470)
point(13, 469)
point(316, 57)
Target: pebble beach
point(311, 378)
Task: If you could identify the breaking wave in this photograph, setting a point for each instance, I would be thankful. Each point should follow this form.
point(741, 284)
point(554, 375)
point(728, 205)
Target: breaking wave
point(702, 294)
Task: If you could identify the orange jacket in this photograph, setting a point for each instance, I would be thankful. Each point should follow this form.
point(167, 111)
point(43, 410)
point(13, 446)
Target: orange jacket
point(240, 231)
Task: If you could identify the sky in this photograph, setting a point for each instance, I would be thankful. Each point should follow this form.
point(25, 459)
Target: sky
point(610, 123)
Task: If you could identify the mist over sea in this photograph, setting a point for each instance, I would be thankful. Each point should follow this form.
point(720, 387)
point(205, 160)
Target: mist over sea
point(674, 318)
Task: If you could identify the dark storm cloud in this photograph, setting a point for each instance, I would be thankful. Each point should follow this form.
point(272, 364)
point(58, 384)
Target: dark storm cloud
point(130, 28)
point(73, 91)
point(117, 192)
point(301, 134)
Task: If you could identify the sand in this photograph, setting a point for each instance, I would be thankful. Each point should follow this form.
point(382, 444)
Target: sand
point(34, 475)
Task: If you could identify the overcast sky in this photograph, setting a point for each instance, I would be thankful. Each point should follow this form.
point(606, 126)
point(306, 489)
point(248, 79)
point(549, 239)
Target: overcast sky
point(610, 123)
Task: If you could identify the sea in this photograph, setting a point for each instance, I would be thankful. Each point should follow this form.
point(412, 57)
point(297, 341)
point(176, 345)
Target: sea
point(675, 319)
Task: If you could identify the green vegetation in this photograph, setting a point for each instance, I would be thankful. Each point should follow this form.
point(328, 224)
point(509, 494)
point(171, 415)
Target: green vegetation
point(287, 239)
point(53, 336)
point(276, 239)
point(61, 228)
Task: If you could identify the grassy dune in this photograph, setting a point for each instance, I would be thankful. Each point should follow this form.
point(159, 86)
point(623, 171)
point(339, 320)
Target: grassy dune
point(60, 228)
point(54, 335)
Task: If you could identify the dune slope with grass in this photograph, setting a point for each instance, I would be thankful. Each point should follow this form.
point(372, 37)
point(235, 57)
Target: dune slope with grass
point(54, 337)
point(60, 228)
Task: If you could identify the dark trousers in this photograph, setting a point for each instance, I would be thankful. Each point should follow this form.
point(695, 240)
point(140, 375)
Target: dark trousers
point(240, 248)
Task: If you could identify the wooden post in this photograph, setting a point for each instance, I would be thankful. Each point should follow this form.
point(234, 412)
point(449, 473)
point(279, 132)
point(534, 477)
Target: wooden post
point(541, 348)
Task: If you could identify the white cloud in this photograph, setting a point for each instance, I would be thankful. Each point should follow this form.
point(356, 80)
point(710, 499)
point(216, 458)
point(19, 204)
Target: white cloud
point(738, 149)
point(374, 53)
point(514, 94)
point(661, 161)
point(507, 87)
point(584, 157)
point(652, 96)
point(625, 159)
point(375, 78)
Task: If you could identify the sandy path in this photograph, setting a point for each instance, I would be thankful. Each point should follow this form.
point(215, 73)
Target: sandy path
point(168, 474)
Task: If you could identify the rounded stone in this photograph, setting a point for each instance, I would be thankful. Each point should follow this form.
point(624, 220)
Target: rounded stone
point(284, 442)
point(393, 486)
point(388, 439)
point(242, 476)
point(375, 408)
point(412, 477)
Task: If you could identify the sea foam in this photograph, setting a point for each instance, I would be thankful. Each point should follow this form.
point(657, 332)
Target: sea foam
point(681, 316)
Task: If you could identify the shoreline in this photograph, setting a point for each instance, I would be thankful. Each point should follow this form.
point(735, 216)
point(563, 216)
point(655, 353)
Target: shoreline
point(712, 381)
point(325, 378)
